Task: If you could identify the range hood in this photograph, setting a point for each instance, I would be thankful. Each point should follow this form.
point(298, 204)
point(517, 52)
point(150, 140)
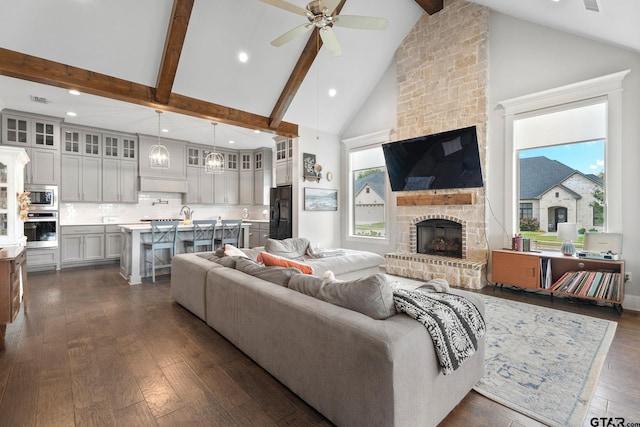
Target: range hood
point(162, 184)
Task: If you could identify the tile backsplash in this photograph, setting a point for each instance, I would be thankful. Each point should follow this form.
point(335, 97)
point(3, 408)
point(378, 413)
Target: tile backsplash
point(87, 213)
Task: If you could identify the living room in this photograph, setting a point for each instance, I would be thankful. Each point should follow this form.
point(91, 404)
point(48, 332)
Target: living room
point(519, 58)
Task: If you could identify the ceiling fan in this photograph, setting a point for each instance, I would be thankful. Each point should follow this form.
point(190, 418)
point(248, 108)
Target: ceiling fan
point(320, 14)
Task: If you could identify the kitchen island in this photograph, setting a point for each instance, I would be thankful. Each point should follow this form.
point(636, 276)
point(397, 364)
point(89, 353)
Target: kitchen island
point(132, 265)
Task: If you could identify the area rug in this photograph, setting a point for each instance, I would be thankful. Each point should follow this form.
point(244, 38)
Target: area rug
point(541, 362)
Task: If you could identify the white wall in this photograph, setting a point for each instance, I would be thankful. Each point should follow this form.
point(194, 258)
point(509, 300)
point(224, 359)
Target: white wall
point(322, 228)
point(526, 58)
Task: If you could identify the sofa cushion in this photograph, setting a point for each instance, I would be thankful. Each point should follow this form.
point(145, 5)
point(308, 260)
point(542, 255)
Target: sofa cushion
point(292, 248)
point(371, 295)
point(273, 260)
point(278, 275)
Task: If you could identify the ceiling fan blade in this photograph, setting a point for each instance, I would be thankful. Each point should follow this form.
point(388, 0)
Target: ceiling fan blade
point(291, 34)
point(286, 6)
point(330, 5)
point(360, 22)
point(330, 41)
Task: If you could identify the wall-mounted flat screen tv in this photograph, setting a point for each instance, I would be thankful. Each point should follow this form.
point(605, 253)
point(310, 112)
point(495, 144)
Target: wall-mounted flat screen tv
point(435, 162)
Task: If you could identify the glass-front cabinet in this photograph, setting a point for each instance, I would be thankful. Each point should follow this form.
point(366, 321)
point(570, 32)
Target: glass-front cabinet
point(13, 203)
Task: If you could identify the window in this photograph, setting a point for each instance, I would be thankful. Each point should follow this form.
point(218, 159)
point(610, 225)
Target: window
point(526, 210)
point(561, 178)
point(368, 190)
point(605, 91)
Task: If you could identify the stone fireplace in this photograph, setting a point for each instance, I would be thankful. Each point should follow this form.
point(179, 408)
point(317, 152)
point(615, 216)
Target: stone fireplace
point(442, 80)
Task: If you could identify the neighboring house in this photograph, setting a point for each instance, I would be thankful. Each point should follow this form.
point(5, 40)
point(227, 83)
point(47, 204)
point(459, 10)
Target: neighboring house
point(369, 198)
point(553, 192)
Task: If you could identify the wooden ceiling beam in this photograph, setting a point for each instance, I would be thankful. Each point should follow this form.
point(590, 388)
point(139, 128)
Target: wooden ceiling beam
point(431, 6)
point(39, 70)
point(308, 55)
point(178, 24)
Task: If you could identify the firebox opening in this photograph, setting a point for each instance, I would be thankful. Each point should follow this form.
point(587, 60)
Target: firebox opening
point(439, 237)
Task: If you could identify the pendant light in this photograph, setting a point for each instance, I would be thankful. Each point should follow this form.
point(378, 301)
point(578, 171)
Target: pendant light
point(158, 153)
point(214, 162)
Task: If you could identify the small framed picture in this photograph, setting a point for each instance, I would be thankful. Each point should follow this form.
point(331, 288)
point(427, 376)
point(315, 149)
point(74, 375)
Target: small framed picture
point(320, 199)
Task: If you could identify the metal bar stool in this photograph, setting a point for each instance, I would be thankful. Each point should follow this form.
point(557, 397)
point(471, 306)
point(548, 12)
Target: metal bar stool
point(230, 233)
point(163, 237)
point(204, 230)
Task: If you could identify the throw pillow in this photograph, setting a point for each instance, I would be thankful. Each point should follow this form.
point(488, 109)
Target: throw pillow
point(230, 250)
point(278, 275)
point(273, 260)
point(291, 248)
point(371, 295)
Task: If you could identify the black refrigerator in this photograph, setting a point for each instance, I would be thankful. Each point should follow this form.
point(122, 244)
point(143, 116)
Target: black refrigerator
point(280, 212)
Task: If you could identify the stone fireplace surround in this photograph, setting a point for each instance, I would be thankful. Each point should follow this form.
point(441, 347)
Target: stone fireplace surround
point(459, 272)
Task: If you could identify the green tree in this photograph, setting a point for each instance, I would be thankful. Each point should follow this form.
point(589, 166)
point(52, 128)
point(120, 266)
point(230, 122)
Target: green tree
point(367, 172)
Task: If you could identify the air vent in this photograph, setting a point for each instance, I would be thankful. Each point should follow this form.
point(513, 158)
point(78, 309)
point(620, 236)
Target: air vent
point(592, 5)
point(39, 99)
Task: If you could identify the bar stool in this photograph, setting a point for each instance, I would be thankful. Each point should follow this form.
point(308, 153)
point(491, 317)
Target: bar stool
point(163, 236)
point(204, 231)
point(230, 233)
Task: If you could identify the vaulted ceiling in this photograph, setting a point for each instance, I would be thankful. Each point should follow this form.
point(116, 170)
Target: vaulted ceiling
point(129, 58)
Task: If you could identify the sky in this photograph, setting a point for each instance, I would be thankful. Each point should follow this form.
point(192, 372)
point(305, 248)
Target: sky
point(586, 157)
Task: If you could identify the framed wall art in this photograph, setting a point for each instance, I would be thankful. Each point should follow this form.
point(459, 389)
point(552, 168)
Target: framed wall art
point(320, 199)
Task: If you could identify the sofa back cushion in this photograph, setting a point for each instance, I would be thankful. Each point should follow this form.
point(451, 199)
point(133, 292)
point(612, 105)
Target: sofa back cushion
point(291, 248)
point(278, 275)
point(371, 295)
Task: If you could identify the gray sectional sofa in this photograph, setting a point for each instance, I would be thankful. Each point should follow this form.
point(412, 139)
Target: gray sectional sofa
point(352, 368)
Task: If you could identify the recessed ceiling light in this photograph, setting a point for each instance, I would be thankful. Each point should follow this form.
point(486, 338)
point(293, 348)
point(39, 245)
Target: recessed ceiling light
point(256, 131)
point(74, 92)
point(332, 92)
point(231, 141)
point(165, 130)
point(243, 57)
point(71, 113)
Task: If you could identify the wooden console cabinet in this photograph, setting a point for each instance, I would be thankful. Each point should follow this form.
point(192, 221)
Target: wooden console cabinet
point(13, 274)
point(544, 271)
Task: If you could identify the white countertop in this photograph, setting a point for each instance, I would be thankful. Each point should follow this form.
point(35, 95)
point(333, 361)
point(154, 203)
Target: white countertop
point(147, 226)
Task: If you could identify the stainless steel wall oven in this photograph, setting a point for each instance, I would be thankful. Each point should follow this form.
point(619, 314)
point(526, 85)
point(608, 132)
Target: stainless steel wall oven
point(41, 226)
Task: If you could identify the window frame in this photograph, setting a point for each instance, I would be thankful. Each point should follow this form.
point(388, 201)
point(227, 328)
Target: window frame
point(360, 143)
point(609, 88)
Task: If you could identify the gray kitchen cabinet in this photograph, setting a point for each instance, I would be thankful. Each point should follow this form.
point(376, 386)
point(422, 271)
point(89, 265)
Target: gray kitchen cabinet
point(40, 137)
point(262, 172)
point(80, 244)
point(226, 184)
point(284, 160)
point(246, 196)
point(199, 186)
point(112, 242)
point(119, 179)
point(44, 167)
point(258, 233)
point(27, 130)
point(81, 179)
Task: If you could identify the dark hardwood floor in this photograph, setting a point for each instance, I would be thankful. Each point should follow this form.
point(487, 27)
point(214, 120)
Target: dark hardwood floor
point(93, 350)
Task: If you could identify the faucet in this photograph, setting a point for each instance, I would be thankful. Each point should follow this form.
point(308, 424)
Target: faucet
point(186, 210)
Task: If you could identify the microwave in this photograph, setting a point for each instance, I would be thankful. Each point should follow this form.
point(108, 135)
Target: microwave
point(43, 197)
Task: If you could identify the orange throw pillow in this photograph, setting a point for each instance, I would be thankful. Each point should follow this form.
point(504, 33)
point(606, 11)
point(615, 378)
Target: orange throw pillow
point(272, 260)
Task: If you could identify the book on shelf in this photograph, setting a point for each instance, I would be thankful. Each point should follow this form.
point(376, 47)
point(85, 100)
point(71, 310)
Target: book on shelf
point(545, 273)
point(593, 284)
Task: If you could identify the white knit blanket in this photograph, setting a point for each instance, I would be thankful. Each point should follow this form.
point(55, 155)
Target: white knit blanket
point(454, 323)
